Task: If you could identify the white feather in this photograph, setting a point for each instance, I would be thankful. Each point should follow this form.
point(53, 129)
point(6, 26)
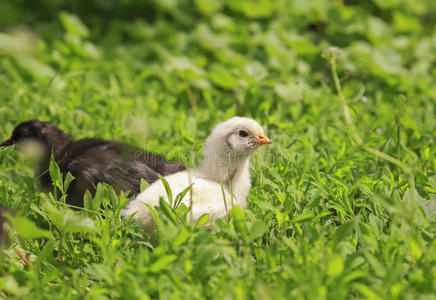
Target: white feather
point(226, 157)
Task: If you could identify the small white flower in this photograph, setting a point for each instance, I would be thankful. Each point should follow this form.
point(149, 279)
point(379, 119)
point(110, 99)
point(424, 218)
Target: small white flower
point(331, 53)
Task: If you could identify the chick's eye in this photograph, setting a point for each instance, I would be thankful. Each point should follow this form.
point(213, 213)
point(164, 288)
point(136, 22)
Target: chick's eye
point(243, 133)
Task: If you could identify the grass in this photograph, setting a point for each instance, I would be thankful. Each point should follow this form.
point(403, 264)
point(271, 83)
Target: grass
point(343, 201)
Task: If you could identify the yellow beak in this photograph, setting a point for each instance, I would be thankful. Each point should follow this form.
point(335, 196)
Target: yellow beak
point(261, 140)
point(7, 142)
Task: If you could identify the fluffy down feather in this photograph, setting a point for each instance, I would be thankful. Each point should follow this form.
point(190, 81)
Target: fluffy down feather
point(222, 180)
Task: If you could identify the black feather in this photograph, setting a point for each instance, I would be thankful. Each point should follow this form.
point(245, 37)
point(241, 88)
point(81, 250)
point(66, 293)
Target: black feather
point(92, 161)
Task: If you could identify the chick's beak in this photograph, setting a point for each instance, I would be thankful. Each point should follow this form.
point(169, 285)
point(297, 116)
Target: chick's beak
point(8, 142)
point(261, 140)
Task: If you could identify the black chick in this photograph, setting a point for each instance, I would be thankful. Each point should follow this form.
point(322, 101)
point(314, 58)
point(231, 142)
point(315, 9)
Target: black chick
point(91, 161)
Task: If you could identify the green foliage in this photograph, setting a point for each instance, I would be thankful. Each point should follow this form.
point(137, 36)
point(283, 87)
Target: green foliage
point(333, 212)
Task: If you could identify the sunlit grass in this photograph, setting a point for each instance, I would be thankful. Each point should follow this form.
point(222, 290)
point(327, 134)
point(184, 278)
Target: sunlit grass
point(343, 200)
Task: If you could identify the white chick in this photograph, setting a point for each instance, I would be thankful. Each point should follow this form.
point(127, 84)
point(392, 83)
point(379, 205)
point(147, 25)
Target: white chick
point(222, 180)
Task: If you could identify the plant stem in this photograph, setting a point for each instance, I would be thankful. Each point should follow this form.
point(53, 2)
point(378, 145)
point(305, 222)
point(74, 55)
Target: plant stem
point(345, 108)
point(353, 130)
point(387, 157)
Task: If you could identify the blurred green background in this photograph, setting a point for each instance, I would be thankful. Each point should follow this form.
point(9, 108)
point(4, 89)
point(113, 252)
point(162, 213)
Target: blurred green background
point(326, 219)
